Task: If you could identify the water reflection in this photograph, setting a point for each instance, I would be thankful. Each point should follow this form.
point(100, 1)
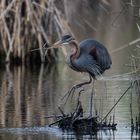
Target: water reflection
point(29, 94)
point(23, 102)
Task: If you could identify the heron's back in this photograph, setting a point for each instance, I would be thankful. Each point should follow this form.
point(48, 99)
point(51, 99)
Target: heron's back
point(97, 51)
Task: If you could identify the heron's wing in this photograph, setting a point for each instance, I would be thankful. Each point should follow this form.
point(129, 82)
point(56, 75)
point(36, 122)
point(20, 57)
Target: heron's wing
point(87, 63)
point(103, 58)
point(97, 51)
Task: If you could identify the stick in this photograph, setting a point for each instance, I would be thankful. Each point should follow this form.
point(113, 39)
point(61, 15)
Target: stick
point(116, 103)
point(39, 48)
point(125, 46)
point(55, 122)
point(58, 121)
point(61, 111)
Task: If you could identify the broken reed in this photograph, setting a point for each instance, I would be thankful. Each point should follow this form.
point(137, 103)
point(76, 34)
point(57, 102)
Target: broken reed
point(26, 25)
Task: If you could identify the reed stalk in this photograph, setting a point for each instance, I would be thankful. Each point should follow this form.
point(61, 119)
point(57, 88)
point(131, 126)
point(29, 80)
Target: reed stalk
point(26, 25)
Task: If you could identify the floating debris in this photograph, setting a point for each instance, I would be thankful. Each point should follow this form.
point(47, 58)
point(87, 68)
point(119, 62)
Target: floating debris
point(76, 122)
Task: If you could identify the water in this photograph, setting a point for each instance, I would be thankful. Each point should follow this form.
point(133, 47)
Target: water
point(29, 94)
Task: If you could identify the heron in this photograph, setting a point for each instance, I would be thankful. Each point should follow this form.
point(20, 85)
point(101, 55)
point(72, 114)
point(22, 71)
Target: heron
point(88, 56)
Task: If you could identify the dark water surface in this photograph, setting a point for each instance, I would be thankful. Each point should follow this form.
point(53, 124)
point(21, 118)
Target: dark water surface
point(27, 95)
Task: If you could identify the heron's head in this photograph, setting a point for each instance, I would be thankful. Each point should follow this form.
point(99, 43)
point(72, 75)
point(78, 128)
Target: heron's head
point(66, 39)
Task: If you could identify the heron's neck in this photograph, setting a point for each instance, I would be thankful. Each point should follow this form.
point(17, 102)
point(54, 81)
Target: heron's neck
point(75, 50)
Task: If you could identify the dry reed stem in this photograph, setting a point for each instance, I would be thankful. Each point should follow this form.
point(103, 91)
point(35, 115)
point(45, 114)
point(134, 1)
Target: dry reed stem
point(9, 7)
point(27, 24)
point(126, 45)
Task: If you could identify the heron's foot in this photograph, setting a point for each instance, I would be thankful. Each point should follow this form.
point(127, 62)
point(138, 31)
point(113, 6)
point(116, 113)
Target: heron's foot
point(71, 92)
point(81, 90)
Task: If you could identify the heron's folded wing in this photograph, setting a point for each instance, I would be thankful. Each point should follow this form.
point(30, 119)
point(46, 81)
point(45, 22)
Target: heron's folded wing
point(86, 63)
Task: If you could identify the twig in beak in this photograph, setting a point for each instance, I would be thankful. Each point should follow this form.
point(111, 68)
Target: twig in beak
point(39, 48)
point(46, 51)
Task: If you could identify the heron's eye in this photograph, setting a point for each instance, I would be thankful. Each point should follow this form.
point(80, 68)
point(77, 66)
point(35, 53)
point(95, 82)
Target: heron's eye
point(66, 38)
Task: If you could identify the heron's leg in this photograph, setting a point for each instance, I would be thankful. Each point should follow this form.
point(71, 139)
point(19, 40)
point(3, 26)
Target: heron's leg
point(91, 100)
point(72, 90)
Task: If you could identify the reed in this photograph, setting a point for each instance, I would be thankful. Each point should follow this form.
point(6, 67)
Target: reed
point(26, 25)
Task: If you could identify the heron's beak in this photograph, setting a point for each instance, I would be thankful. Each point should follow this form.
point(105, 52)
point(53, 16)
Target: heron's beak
point(59, 44)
